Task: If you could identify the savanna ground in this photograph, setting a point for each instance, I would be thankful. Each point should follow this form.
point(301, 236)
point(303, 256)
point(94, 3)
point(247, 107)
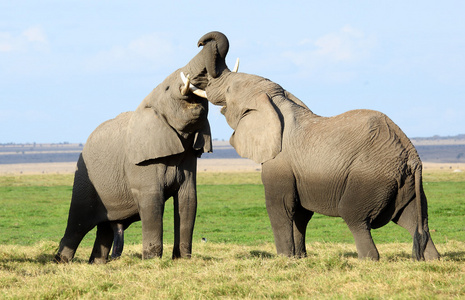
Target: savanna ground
point(238, 258)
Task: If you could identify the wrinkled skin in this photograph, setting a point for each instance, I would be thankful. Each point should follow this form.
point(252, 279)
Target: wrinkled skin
point(133, 163)
point(358, 165)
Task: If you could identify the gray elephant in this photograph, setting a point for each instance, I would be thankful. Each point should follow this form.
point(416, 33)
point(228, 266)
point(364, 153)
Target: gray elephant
point(359, 165)
point(133, 163)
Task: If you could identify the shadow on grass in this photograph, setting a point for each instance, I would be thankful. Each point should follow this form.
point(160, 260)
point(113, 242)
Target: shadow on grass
point(207, 257)
point(393, 257)
point(138, 256)
point(255, 254)
point(454, 256)
point(42, 259)
point(261, 254)
point(350, 254)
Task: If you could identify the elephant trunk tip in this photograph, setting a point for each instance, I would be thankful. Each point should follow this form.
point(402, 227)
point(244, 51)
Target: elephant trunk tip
point(220, 39)
point(215, 48)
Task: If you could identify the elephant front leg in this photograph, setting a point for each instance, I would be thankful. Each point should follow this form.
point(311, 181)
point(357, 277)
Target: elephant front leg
point(185, 208)
point(282, 225)
point(151, 208)
point(280, 205)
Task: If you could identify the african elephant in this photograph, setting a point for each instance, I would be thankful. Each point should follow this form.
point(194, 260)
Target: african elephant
point(359, 165)
point(133, 163)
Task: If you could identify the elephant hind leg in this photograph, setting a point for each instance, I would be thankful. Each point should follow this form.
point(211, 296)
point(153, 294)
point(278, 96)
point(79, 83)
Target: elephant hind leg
point(102, 243)
point(407, 218)
point(118, 240)
point(366, 248)
point(83, 215)
point(70, 242)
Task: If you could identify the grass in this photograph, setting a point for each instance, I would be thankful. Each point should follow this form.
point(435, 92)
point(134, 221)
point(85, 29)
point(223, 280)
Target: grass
point(238, 260)
point(234, 271)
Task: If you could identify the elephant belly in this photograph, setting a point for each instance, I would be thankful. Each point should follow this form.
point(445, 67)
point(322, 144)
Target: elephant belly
point(117, 199)
point(319, 198)
point(321, 189)
point(112, 189)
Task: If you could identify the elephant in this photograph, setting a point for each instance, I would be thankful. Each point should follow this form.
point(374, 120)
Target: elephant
point(132, 164)
point(358, 165)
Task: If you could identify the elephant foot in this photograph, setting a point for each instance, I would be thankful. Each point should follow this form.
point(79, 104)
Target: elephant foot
point(182, 251)
point(97, 261)
point(115, 256)
point(431, 253)
point(301, 255)
point(60, 259)
point(152, 252)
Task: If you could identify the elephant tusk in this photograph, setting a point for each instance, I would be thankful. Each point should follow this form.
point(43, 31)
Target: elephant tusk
point(200, 93)
point(236, 66)
point(186, 81)
point(191, 87)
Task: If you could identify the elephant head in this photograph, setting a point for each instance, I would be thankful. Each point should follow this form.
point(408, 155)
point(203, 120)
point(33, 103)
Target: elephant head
point(249, 105)
point(249, 102)
point(175, 111)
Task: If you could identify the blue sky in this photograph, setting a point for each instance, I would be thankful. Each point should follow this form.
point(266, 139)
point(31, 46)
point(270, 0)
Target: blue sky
point(67, 66)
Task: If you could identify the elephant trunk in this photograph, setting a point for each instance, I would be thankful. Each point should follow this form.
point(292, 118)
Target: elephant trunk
point(210, 61)
point(216, 46)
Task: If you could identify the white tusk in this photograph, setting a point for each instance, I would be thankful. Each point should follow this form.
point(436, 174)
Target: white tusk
point(196, 91)
point(200, 93)
point(186, 82)
point(236, 66)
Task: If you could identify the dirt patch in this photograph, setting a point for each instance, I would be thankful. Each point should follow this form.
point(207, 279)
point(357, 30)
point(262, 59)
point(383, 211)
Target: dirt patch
point(203, 165)
point(449, 167)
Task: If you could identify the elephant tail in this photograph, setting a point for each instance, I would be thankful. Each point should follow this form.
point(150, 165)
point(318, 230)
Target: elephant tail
point(421, 236)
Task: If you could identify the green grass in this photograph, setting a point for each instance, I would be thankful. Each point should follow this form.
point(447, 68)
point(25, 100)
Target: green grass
point(238, 260)
point(35, 208)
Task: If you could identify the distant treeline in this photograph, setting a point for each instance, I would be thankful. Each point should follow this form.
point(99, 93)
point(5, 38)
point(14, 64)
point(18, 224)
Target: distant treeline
point(438, 137)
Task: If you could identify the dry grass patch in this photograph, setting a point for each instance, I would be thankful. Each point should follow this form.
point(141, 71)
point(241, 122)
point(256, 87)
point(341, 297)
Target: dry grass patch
point(232, 271)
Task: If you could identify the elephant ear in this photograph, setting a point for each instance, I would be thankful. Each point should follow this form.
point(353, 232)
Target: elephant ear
point(150, 137)
point(203, 139)
point(258, 132)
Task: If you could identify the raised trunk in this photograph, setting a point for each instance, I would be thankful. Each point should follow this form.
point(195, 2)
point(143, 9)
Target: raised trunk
point(210, 61)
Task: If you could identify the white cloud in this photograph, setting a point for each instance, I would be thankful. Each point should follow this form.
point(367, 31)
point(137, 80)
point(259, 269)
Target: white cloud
point(32, 38)
point(339, 46)
point(35, 34)
point(147, 49)
point(328, 55)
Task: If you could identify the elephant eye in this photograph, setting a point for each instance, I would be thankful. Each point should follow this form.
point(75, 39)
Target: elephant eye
point(167, 88)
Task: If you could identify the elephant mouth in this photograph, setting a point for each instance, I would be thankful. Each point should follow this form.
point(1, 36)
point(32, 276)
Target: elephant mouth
point(189, 87)
point(194, 104)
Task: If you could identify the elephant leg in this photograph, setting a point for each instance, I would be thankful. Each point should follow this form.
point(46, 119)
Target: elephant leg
point(151, 208)
point(364, 242)
point(301, 219)
point(69, 243)
point(102, 243)
point(118, 240)
point(408, 219)
point(185, 207)
point(361, 202)
point(82, 218)
point(280, 195)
